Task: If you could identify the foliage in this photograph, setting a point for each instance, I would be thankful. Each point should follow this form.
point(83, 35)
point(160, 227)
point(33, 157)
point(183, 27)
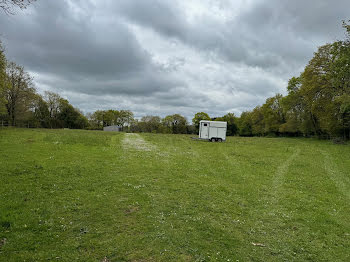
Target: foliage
point(19, 94)
point(245, 124)
point(53, 102)
point(41, 116)
point(317, 101)
point(148, 124)
point(70, 117)
point(102, 118)
point(231, 120)
point(176, 123)
point(198, 117)
point(3, 82)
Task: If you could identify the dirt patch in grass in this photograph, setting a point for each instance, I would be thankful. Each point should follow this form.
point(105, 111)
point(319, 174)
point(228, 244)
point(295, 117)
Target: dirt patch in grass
point(131, 209)
point(136, 142)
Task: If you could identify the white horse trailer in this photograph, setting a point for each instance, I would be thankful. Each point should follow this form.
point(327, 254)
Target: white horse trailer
point(214, 131)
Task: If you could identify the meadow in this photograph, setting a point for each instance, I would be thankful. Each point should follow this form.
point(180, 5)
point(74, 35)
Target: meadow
point(74, 195)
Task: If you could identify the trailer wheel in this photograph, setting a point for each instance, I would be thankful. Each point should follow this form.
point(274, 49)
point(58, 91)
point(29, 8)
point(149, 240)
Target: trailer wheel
point(219, 139)
point(212, 139)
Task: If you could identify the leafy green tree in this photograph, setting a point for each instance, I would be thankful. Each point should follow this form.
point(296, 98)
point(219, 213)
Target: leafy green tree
point(150, 124)
point(41, 115)
point(109, 117)
point(245, 124)
point(124, 118)
point(344, 114)
point(176, 123)
point(298, 116)
point(70, 117)
point(3, 82)
point(20, 93)
point(325, 79)
point(258, 121)
point(198, 117)
point(53, 101)
point(273, 115)
point(97, 119)
point(317, 102)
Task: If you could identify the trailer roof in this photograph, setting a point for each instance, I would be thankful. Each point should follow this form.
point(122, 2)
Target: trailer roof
point(215, 123)
point(209, 121)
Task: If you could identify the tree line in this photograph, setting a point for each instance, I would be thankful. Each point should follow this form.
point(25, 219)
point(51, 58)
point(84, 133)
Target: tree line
point(21, 105)
point(317, 104)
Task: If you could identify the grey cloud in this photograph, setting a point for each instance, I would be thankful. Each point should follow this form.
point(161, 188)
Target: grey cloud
point(87, 55)
point(89, 52)
point(267, 35)
point(165, 17)
point(162, 15)
point(62, 44)
point(142, 84)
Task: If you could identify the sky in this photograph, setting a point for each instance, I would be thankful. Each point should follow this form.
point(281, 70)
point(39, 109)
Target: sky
point(161, 57)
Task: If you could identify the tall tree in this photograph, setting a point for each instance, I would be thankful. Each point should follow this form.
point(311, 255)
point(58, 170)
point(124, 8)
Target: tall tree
point(257, 119)
point(177, 123)
point(245, 124)
point(273, 114)
point(70, 117)
point(318, 101)
point(41, 116)
point(97, 119)
point(3, 82)
point(20, 94)
point(198, 117)
point(109, 117)
point(150, 124)
point(124, 118)
point(53, 101)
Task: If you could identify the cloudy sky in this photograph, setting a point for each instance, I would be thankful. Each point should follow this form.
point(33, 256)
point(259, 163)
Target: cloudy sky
point(163, 57)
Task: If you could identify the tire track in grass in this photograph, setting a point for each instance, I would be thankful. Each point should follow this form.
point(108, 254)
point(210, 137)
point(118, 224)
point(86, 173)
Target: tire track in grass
point(338, 178)
point(275, 213)
point(279, 177)
point(277, 183)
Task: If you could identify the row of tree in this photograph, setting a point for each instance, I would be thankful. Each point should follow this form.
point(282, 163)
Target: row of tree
point(317, 104)
point(102, 118)
point(21, 105)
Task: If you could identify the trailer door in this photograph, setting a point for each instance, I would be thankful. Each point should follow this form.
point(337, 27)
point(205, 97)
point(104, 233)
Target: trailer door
point(204, 130)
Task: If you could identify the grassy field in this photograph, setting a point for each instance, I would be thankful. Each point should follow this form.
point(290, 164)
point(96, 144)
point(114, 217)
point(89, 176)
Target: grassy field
point(71, 195)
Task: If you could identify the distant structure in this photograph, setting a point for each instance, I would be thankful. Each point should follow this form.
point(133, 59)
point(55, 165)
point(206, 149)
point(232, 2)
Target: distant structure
point(113, 128)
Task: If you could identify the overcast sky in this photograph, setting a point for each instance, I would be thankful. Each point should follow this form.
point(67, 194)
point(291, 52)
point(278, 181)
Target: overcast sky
point(162, 57)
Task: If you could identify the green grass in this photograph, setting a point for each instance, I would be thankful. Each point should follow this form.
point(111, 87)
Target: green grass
point(71, 195)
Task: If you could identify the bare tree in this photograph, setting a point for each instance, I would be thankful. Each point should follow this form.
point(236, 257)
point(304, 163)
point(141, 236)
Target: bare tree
point(8, 5)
